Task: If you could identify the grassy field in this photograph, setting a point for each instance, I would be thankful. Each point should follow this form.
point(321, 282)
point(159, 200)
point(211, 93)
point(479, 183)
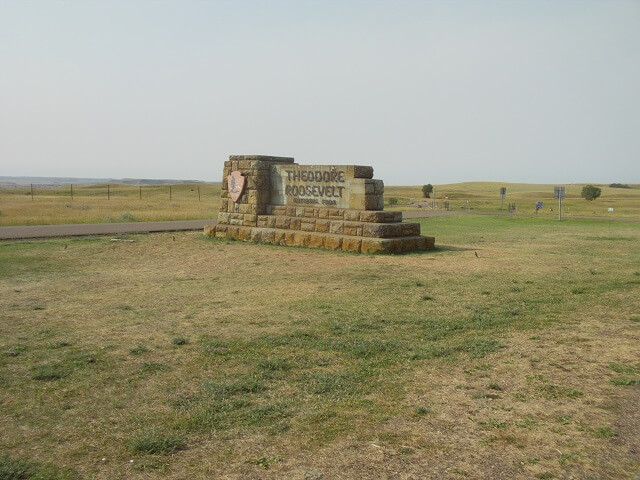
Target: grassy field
point(510, 352)
point(90, 204)
point(485, 197)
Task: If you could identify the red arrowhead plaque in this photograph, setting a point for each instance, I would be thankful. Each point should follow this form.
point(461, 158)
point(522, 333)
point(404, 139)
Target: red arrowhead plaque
point(236, 185)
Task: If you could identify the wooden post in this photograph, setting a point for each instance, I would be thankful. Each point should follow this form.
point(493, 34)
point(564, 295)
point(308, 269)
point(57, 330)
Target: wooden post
point(198, 192)
point(169, 192)
point(72, 191)
point(32, 192)
point(140, 192)
point(108, 191)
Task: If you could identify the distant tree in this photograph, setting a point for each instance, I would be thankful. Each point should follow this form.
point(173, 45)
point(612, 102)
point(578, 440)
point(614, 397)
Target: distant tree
point(427, 190)
point(393, 201)
point(590, 192)
point(619, 185)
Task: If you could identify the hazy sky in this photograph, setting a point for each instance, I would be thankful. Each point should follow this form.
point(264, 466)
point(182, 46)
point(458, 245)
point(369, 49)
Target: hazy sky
point(425, 91)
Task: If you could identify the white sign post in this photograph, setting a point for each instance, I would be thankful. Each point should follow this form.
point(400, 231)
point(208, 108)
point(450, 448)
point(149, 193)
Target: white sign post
point(558, 192)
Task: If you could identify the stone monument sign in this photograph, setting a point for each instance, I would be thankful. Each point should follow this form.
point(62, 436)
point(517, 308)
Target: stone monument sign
point(339, 207)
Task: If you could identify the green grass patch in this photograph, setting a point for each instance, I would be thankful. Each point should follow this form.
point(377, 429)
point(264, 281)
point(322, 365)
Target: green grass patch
point(156, 442)
point(12, 468)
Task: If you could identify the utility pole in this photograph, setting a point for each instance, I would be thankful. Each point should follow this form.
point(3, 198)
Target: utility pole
point(32, 192)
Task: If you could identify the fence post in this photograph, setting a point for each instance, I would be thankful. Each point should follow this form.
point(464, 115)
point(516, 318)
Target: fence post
point(72, 191)
point(108, 191)
point(169, 192)
point(198, 192)
point(32, 192)
point(140, 192)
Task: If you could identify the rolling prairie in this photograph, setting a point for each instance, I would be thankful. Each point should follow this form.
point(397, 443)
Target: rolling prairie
point(90, 203)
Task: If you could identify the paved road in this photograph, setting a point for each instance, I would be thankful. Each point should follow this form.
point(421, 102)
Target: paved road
point(441, 213)
point(44, 231)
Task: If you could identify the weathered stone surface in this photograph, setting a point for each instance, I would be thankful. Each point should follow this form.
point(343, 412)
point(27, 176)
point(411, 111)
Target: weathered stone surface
point(352, 215)
point(409, 229)
point(333, 242)
point(282, 222)
point(289, 238)
point(264, 158)
point(322, 226)
point(336, 227)
point(279, 237)
point(247, 208)
point(317, 241)
point(268, 235)
point(244, 233)
point(351, 244)
point(323, 240)
point(256, 234)
point(373, 202)
point(308, 225)
point(352, 228)
point(301, 239)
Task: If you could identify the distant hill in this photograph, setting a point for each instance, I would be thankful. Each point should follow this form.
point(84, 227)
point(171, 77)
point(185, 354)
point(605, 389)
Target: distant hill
point(58, 181)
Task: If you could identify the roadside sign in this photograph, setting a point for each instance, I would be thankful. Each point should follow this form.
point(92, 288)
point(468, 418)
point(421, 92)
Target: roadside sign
point(558, 193)
point(503, 193)
point(538, 206)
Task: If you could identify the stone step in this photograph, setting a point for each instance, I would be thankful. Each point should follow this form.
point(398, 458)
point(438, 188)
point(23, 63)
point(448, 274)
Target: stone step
point(351, 215)
point(348, 243)
point(338, 227)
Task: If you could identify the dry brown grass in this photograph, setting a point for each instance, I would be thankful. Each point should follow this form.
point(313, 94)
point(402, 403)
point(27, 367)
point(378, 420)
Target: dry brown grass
point(90, 205)
point(485, 197)
point(449, 366)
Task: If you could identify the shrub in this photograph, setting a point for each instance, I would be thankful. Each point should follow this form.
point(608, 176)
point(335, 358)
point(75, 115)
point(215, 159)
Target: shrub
point(591, 192)
point(619, 185)
point(127, 217)
point(393, 201)
point(427, 190)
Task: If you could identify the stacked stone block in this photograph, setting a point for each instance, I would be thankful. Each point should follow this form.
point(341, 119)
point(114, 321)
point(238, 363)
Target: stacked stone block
point(365, 228)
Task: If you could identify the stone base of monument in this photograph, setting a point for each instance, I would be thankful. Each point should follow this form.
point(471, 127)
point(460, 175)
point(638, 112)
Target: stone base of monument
point(266, 212)
point(313, 227)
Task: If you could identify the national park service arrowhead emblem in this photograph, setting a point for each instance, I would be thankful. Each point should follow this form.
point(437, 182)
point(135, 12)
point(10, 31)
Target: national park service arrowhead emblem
point(236, 185)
